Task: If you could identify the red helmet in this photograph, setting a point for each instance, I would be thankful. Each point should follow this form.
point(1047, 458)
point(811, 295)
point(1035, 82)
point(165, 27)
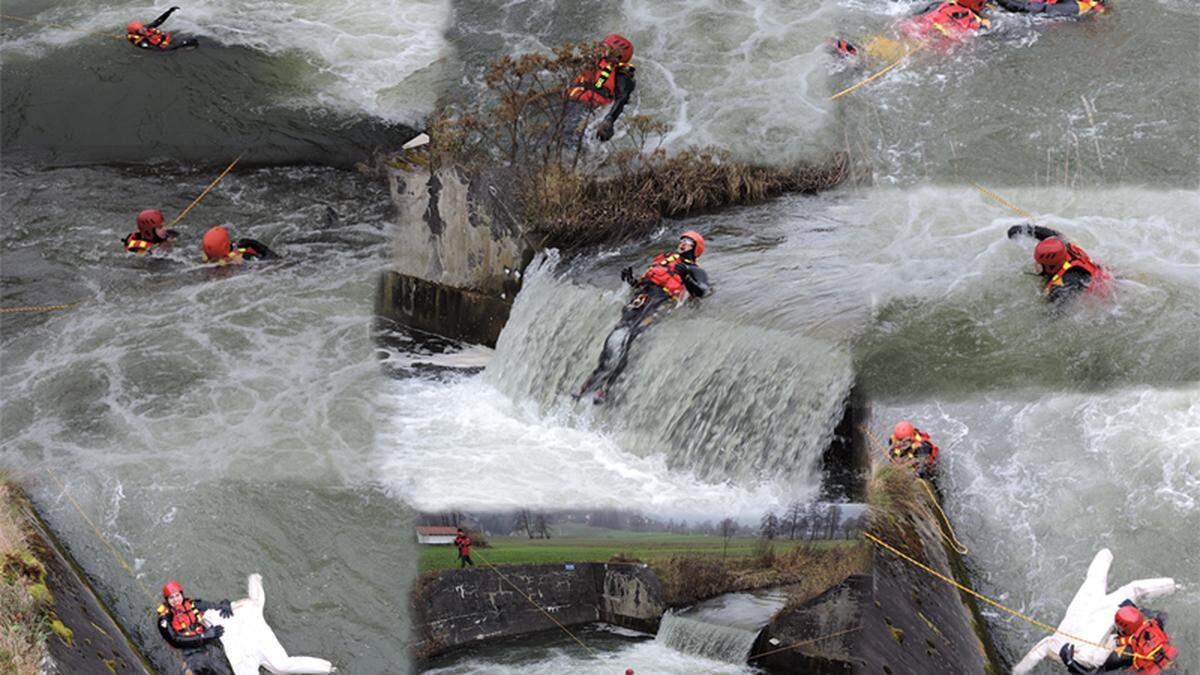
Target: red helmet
point(696, 239)
point(1050, 253)
point(619, 43)
point(903, 429)
point(973, 5)
point(149, 219)
point(629, 671)
point(134, 26)
point(172, 587)
point(1128, 619)
point(216, 243)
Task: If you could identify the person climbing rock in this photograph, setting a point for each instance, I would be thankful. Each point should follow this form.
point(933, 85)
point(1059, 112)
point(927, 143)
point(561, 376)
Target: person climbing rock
point(150, 233)
point(670, 278)
point(181, 623)
point(611, 82)
point(1143, 645)
point(912, 447)
point(940, 25)
point(463, 541)
point(1056, 8)
point(218, 249)
point(148, 36)
point(1066, 268)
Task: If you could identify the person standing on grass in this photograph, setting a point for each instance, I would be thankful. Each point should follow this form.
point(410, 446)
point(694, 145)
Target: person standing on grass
point(463, 542)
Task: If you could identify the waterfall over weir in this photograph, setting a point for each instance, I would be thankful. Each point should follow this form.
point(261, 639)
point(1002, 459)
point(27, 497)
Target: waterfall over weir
point(723, 628)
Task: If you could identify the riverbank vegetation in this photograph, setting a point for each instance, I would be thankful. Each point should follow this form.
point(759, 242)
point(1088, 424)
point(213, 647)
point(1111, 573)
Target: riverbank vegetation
point(573, 191)
point(24, 598)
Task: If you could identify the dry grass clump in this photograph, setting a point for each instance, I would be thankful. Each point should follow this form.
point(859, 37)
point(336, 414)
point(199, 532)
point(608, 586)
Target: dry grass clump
point(24, 599)
point(572, 197)
point(895, 505)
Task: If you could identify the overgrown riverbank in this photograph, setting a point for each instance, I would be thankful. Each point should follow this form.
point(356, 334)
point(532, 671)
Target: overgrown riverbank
point(25, 605)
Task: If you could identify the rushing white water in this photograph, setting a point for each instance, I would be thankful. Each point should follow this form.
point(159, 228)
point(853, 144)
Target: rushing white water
point(723, 628)
point(375, 58)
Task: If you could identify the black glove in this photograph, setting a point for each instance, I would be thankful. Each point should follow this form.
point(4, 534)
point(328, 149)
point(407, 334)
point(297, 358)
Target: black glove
point(1016, 230)
point(604, 131)
point(1067, 654)
point(627, 276)
point(225, 609)
point(214, 632)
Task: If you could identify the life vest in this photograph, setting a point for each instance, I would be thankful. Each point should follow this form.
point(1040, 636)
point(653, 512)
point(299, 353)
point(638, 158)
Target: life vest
point(153, 36)
point(597, 87)
point(234, 256)
point(138, 246)
point(1086, 6)
point(188, 621)
point(1150, 647)
point(948, 20)
point(906, 449)
point(1078, 258)
point(662, 273)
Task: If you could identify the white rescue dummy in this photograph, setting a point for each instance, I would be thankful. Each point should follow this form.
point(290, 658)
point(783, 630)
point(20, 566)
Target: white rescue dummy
point(1090, 616)
point(249, 642)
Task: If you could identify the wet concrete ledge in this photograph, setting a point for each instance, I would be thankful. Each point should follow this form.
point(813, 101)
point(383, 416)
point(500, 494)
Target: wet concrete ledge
point(97, 643)
point(455, 608)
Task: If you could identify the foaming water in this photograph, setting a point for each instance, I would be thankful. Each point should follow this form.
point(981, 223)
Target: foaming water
point(991, 110)
point(723, 628)
point(551, 654)
point(357, 57)
point(212, 422)
point(1037, 484)
point(745, 77)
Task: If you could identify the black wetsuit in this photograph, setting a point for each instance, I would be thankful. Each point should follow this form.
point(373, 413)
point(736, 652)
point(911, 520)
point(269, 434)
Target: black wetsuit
point(1117, 659)
point(649, 301)
point(255, 250)
point(145, 42)
point(624, 86)
point(1074, 281)
point(1061, 8)
point(193, 649)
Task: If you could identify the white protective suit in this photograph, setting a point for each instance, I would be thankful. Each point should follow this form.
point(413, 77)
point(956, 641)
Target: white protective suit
point(1090, 616)
point(249, 642)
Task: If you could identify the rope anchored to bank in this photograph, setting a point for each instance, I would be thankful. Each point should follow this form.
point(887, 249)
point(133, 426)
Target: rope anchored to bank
point(1044, 626)
point(586, 648)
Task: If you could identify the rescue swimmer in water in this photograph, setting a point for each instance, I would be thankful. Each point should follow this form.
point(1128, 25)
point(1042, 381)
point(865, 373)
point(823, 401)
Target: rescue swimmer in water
point(940, 25)
point(1119, 635)
point(220, 250)
point(1065, 267)
point(609, 83)
point(148, 36)
point(1056, 8)
point(250, 643)
point(909, 446)
point(671, 278)
point(151, 233)
point(182, 624)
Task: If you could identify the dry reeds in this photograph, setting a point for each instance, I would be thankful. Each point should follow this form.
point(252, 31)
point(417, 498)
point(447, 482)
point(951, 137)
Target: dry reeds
point(23, 598)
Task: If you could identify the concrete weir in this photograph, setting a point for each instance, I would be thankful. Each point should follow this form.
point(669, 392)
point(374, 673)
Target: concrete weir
point(458, 256)
point(456, 608)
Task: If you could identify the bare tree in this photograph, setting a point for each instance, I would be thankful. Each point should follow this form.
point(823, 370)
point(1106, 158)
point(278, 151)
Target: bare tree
point(834, 515)
point(794, 517)
point(768, 527)
point(524, 521)
point(542, 526)
point(729, 528)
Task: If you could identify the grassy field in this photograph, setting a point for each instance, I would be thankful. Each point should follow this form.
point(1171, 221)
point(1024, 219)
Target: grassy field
point(600, 546)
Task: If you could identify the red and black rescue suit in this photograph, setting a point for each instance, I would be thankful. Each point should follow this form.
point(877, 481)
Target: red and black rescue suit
point(1055, 8)
point(658, 289)
point(185, 630)
point(1147, 650)
point(1081, 276)
point(144, 242)
point(919, 452)
point(463, 542)
point(150, 37)
point(610, 83)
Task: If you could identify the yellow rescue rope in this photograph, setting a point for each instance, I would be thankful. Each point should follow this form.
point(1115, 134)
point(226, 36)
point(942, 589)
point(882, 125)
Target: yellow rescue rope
point(41, 308)
point(1003, 202)
point(206, 190)
point(877, 75)
point(1019, 615)
point(804, 642)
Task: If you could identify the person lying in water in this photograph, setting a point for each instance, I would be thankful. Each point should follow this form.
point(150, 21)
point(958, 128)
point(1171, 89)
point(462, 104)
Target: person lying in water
point(940, 25)
point(148, 36)
point(670, 278)
point(1056, 8)
point(1066, 268)
point(219, 250)
point(151, 233)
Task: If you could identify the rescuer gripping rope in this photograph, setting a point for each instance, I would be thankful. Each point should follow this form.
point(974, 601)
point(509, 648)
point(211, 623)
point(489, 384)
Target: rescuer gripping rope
point(206, 190)
point(879, 542)
point(539, 607)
